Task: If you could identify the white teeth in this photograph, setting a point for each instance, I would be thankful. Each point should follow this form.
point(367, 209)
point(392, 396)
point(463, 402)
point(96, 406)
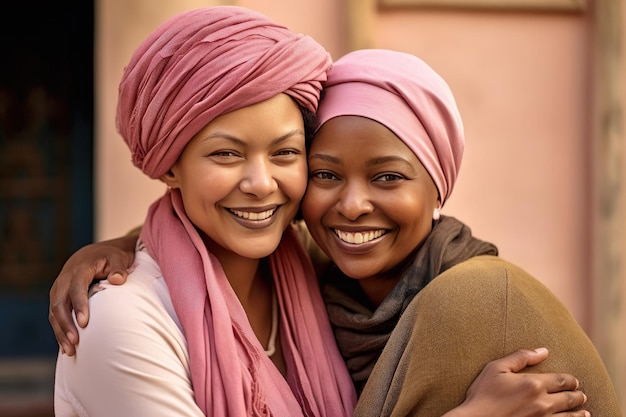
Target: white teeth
point(250, 215)
point(359, 237)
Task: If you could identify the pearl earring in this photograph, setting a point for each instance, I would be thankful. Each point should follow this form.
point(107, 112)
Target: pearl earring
point(436, 214)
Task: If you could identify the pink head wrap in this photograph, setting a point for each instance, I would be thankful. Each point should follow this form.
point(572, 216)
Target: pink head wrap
point(204, 63)
point(403, 93)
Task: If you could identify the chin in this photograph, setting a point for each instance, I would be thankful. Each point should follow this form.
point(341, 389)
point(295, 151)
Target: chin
point(354, 271)
point(258, 250)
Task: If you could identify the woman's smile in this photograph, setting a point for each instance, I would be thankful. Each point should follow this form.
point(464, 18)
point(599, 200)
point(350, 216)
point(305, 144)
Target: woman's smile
point(358, 238)
point(255, 219)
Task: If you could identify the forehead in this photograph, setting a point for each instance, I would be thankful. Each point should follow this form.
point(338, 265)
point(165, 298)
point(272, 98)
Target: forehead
point(355, 133)
point(269, 119)
point(267, 112)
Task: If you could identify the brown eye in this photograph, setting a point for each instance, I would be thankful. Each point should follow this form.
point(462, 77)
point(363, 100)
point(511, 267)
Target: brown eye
point(223, 154)
point(287, 152)
point(389, 177)
point(324, 175)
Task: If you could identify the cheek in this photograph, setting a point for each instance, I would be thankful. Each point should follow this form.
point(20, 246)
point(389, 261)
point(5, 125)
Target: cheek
point(302, 180)
point(414, 212)
point(312, 204)
point(293, 182)
point(203, 189)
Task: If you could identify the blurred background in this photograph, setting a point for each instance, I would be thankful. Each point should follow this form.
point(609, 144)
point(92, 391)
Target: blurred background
point(46, 183)
point(541, 85)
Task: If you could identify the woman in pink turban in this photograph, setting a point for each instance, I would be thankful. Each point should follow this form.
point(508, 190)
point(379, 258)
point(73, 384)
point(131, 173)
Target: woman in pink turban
point(198, 104)
point(222, 315)
point(418, 304)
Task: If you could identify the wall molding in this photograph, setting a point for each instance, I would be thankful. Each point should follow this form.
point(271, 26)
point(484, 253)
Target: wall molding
point(531, 5)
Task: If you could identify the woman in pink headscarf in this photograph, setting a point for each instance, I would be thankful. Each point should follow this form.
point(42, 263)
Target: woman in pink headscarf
point(418, 304)
point(221, 315)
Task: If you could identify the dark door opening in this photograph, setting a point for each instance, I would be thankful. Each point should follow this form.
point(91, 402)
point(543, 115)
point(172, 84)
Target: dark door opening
point(46, 173)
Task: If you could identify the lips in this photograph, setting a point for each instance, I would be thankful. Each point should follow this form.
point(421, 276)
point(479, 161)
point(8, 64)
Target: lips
point(257, 219)
point(252, 215)
point(358, 238)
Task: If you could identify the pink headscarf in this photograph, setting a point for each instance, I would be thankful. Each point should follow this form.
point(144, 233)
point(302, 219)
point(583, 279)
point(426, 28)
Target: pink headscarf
point(403, 93)
point(193, 68)
point(204, 63)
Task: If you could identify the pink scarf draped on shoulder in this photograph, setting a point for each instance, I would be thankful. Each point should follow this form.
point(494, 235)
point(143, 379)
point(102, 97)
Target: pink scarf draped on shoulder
point(230, 372)
point(191, 69)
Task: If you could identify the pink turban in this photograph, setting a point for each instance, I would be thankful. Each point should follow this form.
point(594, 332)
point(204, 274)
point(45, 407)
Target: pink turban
point(403, 93)
point(204, 63)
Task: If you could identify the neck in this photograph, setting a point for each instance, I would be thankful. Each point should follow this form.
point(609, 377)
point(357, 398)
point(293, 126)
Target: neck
point(242, 272)
point(252, 285)
point(377, 288)
point(244, 277)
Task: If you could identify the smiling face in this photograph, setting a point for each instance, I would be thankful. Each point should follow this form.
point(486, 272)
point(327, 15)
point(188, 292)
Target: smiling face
point(369, 202)
point(242, 177)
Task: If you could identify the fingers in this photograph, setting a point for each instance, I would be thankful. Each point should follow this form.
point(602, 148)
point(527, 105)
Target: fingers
point(120, 256)
point(562, 382)
point(579, 413)
point(65, 340)
point(561, 391)
point(118, 275)
point(518, 360)
point(502, 389)
point(69, 291)
point(569, 400)
point(78, 295)
point(60, 317)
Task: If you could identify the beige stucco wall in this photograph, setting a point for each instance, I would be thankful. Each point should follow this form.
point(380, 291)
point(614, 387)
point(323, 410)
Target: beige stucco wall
point(523, 83)
point(520, 82)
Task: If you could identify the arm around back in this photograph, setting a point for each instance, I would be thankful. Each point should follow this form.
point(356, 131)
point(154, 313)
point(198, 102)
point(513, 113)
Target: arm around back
point(474, 313)
point(132, 358)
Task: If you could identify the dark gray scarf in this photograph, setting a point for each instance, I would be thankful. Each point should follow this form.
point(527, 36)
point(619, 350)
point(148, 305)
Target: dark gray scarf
point(362, 331)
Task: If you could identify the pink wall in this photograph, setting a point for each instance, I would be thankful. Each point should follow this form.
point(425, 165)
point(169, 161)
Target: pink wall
point(521, 81)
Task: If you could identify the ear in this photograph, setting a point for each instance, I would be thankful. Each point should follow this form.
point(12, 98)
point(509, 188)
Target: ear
point(170, 179)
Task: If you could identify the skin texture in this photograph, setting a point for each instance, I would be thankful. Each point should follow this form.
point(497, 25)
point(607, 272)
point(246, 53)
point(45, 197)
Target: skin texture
point(369, 202)
point(242, 178)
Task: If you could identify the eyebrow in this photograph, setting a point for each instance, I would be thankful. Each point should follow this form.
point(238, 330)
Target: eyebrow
point(222, 135)
point(370, 163)
point(384, 159)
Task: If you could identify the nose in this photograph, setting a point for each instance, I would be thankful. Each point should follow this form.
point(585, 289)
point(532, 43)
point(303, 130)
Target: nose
point(354, 201)
point(258, 178)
